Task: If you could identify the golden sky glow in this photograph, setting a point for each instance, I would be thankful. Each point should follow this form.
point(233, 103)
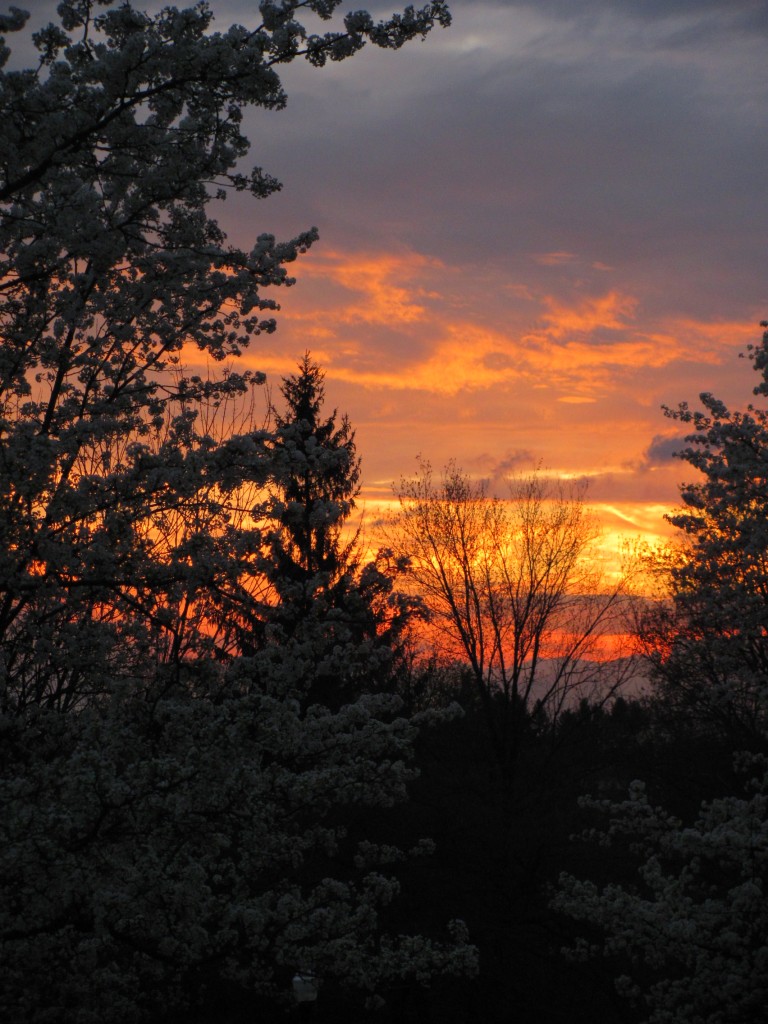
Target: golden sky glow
point(573, 386)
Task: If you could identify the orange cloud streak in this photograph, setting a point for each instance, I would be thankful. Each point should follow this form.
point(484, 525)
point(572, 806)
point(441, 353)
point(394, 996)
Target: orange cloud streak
point(574, 347)
point(518, 361)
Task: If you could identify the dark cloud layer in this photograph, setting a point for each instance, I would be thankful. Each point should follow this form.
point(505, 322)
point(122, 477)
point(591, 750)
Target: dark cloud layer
point(748, 15)
point(662, 450)
point(483, 147)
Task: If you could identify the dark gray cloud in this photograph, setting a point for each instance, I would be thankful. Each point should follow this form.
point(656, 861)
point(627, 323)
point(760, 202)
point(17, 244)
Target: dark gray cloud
point(705, 15)
point(662, 450)
point(485, 147)
point(629, 132)
point(497, 472)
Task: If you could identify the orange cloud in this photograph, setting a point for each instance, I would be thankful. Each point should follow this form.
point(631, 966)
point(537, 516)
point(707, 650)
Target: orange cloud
point(610, 311)
point(414, 349)
point(431, 357)
point(554, 259)
point(382, 288)
point(344, 301)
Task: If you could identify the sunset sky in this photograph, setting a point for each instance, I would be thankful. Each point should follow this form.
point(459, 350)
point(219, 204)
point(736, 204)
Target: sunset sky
point(536, 228)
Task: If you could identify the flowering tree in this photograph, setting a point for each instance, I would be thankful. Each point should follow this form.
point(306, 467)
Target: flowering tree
point(709, 645)
point(688, 935)
point(110, 264)
point(178, 858)
point(176, 837)
point(688, 930)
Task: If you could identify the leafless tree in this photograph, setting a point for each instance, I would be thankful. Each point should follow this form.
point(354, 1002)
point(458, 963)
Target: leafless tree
point(515, 588)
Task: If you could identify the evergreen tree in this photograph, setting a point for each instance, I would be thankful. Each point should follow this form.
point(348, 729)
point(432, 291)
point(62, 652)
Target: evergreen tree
point(324, 596)
point(317, 472)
